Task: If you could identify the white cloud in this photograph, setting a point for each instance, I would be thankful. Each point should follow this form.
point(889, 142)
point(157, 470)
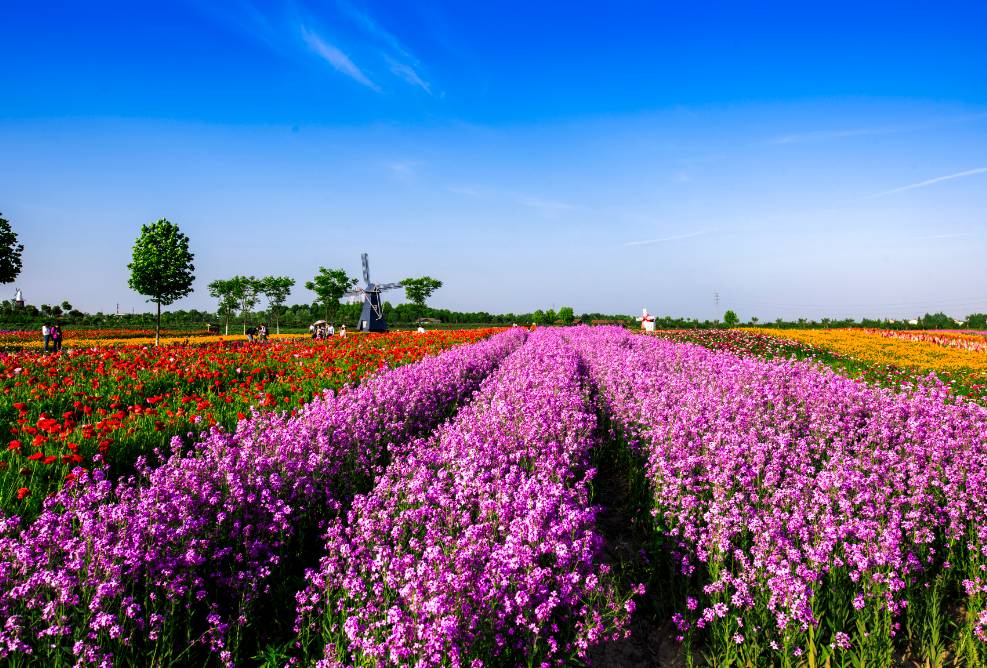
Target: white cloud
point(547, 207)
point(408, 73)
point(952, 235)
point(405, 66)
point(929, 182)
point(404, 169)
point(675, 237)
point(825, 135)
point(339, 60)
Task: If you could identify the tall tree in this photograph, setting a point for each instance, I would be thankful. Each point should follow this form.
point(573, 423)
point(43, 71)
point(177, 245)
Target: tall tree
point(730, 319)
point(329, 286)
point(248, 293)
point(10, 252)
point(418, 290)
point(226, 290)
point(276, 289)
point(161, 268)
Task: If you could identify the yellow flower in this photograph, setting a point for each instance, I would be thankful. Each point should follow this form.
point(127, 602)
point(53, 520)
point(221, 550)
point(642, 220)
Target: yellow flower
point(877, 347)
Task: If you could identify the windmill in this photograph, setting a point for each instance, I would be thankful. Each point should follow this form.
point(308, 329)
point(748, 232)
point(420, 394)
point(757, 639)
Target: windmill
point(372, 315)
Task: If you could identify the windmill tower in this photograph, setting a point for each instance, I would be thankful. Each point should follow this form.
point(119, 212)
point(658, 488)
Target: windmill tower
point(372, 314)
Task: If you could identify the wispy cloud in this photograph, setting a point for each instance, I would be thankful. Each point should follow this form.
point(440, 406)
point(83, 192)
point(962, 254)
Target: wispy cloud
point(547, 207)
point(826, 135)
point(339, 60)
point(950, 235)
point(402, 63)
point(409, 74)
point(674, 237)
point(929, 182)
point(465, 190)
point(404, 169)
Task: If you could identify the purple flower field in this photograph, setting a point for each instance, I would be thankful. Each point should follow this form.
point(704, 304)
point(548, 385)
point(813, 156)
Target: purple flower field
point(447, 513)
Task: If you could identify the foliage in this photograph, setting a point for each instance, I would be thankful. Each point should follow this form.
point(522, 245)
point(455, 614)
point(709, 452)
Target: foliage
point(730, 319)
point(329, 286)
point(936, 321)
point(227, 292)
point(161, 268)
point(276, 289)
point(418, 290)
point(566, 315)
point(10, 252)
point(247, 291)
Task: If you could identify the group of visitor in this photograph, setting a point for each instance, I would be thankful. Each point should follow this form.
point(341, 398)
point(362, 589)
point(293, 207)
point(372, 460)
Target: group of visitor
point(51, 336)
point(325, 330)
point(258, 333)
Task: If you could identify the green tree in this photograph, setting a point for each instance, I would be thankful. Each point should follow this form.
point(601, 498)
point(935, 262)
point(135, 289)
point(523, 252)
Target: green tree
point(227, 292)
point(730, 319)
point(418, 290)
point(538, 317)
point(329, 286)
point(276, 289)
point(10, 252)
point(566, 315)
point(248, 294)
point(936, 321)
point(977, 321)
point(161, 268)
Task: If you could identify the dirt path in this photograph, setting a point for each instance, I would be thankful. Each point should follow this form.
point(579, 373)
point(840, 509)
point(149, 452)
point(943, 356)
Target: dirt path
point(652, 639)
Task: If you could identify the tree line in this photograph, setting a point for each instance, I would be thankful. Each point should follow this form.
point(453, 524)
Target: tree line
point(162, 270)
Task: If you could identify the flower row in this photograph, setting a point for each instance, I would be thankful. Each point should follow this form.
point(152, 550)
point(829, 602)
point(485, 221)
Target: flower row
point(805, 512)
point(477, 544)
point(175, 559)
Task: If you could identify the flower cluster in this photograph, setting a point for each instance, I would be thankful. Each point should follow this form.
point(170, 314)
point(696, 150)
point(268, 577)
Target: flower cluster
point(800, 506)
point(61, 411)
point(478, 543)
point(176, 556)
point(959, 340)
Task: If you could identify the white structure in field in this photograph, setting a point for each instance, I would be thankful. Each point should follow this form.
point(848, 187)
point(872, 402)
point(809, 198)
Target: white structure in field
point(647, 321)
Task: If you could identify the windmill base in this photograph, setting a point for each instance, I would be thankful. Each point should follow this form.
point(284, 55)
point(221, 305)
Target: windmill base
point(369, 320)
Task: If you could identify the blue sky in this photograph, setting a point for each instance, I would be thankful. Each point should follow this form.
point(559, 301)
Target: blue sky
point(800, 159)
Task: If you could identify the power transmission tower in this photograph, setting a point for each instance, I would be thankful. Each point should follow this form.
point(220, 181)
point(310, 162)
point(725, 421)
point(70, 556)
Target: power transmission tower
point(716, 299)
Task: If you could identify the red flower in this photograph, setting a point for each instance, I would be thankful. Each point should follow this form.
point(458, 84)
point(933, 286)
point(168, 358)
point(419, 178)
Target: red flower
point(14, 445)
point(22, 493)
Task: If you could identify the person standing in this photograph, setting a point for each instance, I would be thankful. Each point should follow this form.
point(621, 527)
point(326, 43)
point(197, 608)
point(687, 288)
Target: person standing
point(46, 335)
point(332, 330)
point(56, 337)
point(342, 331)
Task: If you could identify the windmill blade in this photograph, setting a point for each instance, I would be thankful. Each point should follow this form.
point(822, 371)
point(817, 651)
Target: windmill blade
point(354, 293)
point(389, 286)
point(366, 269)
